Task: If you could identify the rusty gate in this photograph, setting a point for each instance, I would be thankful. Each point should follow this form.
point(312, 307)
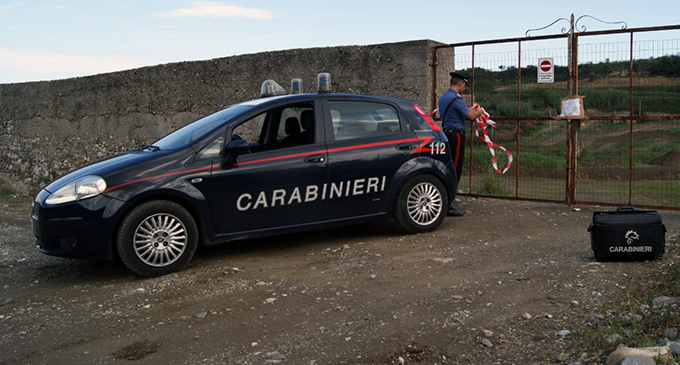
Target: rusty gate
point(624, 150)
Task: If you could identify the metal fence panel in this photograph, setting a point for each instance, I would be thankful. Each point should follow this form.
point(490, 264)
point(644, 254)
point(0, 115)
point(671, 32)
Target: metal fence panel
point(626, 153)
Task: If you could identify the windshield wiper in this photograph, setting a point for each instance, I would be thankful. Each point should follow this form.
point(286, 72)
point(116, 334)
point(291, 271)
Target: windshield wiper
point(148, 147)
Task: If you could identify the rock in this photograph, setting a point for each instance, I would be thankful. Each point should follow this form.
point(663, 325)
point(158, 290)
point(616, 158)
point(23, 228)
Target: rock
point(675, 348)
point(671, 333)
point(447, 260)
point(527, 316)
point(487, 333)
point(562, 357)
point(634, 317)
point(487, 343)
point(660, 354)
point(638, 360)
point(270, 300)
point(564, 333)
point(595, 317)
point(660, 300)
point(201, 315)
point(613, 338)
point(275, 355)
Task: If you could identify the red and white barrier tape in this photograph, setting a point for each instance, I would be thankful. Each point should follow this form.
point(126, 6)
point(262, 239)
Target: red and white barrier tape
point(482, 121)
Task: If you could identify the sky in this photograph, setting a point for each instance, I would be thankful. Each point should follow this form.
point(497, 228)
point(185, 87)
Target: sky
point(57, 39)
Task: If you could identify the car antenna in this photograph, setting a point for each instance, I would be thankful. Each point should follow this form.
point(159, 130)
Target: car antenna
point(337, 86)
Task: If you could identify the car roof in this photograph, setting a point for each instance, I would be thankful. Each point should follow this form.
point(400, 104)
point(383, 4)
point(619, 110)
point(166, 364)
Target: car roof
point(265, 100)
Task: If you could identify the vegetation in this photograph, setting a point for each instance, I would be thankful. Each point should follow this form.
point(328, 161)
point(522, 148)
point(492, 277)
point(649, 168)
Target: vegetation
point(4, 191)
point(493, 184)
point(667, 66)
point(497, 90)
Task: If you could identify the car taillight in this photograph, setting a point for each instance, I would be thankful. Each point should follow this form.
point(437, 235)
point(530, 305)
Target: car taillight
point(427, 118)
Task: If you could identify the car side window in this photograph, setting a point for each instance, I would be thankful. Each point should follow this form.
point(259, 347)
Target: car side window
point(356, 119)
point(287, 126)
point(295, 126)
point(251, 131)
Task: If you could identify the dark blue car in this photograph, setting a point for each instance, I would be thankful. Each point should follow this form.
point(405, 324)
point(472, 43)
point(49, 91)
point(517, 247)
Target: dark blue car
point(278, 164)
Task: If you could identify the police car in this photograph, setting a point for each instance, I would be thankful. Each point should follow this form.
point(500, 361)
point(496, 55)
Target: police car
point(277, 164)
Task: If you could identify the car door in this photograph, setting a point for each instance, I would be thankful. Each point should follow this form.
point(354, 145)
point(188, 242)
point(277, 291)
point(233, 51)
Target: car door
point(369, 144)
point(277, 184)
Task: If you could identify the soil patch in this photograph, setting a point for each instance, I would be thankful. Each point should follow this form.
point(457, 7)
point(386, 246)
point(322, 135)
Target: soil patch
point(493, 287)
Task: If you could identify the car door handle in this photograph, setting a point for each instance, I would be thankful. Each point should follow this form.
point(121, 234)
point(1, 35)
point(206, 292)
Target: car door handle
point(405, 146)
point(315, 159)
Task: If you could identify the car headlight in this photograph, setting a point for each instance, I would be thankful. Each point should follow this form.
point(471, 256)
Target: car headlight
point(82, 188)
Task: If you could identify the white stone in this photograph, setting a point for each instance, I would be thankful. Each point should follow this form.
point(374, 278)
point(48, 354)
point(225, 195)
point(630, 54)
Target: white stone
point(660, 354)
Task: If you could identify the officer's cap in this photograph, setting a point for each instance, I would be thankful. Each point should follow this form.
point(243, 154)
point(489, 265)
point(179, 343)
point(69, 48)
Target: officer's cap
point(461, 76)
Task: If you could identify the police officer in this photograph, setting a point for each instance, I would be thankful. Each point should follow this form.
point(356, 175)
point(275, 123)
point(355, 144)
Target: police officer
point(454, 113)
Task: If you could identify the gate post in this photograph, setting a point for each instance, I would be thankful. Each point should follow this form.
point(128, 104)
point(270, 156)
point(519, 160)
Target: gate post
point(573, 125)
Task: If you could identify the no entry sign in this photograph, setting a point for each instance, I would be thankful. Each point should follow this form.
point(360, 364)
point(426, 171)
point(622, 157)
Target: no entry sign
point(546, 65)
point(546, 70)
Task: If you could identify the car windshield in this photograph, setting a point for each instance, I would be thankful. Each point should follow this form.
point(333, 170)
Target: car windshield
point(193, 132)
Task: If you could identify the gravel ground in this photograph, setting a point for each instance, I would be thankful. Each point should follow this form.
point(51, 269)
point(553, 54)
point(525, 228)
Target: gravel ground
point(493, 287)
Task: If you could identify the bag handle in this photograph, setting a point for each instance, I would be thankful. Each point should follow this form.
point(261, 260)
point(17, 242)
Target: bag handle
point(625, 208)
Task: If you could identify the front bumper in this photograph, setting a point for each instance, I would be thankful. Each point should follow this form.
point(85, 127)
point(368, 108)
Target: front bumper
point(80, 230)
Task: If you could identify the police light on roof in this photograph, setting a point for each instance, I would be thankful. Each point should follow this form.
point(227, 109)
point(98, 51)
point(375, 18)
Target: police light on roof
point(296, 86)
point(323, 82)
point(271, 88)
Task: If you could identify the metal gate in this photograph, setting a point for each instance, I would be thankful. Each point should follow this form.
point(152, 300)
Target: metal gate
point(625, 151)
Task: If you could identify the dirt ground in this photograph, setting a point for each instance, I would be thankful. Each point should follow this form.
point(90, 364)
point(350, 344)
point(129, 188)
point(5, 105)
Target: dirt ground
point(492, 287)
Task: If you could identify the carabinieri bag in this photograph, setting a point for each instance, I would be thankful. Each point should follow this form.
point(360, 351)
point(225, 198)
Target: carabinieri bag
point(627, 234)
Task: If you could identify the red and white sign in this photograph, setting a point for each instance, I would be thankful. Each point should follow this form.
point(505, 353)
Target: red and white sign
point(546, 70)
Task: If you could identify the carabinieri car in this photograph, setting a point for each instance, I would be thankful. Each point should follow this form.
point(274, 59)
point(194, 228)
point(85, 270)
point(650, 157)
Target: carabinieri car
point(278, 164)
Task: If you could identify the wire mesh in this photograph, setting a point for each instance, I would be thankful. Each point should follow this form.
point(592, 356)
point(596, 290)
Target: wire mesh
point(630, 161)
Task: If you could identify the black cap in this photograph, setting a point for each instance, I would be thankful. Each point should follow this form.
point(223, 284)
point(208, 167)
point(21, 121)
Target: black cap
point(462, 76)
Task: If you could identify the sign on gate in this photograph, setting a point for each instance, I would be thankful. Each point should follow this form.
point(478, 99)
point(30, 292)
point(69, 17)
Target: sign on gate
point(546, 70)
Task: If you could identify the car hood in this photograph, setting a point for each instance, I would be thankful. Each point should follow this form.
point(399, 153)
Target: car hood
point(104, 167)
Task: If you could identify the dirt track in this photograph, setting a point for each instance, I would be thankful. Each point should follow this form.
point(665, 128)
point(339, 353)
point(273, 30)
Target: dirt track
point(360, 295)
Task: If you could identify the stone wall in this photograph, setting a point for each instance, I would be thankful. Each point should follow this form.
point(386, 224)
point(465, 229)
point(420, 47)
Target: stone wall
point(52, 127)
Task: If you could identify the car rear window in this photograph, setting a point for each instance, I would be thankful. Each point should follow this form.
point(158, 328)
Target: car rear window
point(356, 119)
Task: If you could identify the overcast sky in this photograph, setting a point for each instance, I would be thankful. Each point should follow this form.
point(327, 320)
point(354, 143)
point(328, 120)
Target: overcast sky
point(47, 40)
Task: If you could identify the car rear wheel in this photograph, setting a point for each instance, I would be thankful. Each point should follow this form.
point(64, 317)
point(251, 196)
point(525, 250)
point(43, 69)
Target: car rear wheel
point(157, 238)
point(421, 205)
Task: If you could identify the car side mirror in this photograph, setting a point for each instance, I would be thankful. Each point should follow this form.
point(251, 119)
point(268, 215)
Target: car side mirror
point(232, 151)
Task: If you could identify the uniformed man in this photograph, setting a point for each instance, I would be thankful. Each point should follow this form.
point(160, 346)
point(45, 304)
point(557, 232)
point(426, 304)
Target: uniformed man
point(454, 113)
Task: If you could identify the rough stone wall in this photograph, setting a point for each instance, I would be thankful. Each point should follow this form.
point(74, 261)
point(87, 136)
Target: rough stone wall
point(52, 127)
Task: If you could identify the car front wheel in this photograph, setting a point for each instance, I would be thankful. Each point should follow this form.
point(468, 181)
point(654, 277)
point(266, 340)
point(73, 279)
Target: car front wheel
point(157, 238)
point(421, 205)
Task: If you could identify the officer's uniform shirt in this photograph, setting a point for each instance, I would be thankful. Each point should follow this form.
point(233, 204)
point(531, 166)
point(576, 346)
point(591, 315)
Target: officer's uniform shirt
point(455, 116)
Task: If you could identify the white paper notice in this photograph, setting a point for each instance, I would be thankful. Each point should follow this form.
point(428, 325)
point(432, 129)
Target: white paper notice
point(571, 107)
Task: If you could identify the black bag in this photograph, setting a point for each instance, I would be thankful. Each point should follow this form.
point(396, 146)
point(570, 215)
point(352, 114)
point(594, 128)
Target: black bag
point(627, 234)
